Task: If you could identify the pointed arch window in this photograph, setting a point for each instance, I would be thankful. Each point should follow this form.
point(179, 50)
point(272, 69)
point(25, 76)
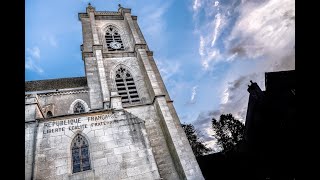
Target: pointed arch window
point(80, 154)
point(126, 86)
point(49, 114)
point(113, 39)
point(78, 108)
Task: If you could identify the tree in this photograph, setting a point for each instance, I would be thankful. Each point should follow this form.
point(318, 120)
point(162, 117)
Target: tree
point(228, 131)
point(196, 144)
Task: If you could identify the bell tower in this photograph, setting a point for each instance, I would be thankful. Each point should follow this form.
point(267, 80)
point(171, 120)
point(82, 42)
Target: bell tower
point(122, 75)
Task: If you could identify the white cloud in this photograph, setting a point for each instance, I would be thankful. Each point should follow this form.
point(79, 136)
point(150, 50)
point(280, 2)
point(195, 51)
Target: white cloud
point(153, 24)
point(208, 58)
point(168, 68)
point(34, 52)
point(51, 39)
point(154, 14)
point(196, 5)
point(31, 65)
point(216, 3)
point(213, 145)
point(203, 124)
point(209, 34)
point(225, 96)
point(264, 29)
point(217, 27)
point(201, 46)
point(237, 95)
point(194, 92)
point(232, 57)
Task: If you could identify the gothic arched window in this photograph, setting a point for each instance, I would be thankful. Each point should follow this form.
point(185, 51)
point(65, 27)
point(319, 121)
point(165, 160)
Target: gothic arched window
point(126, 87)
point(49, 114)
point(78, 108)
point(113, 39)
point(80, 154)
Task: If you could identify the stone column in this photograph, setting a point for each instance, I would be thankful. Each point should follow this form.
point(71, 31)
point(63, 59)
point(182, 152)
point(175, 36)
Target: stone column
point(32, 114)
point(116, 102)
point(32, 108)
point(180, 150)
point(97, 52)
point(126, 13)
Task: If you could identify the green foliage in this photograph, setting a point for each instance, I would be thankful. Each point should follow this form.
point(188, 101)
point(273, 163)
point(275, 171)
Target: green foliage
point(196, 144)
point(228, 131)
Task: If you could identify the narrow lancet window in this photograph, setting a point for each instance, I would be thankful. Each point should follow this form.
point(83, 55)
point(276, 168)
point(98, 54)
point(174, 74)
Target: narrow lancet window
point(80, 154)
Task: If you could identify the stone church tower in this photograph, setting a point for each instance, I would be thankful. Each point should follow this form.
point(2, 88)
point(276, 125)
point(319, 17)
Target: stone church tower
point(117, 122)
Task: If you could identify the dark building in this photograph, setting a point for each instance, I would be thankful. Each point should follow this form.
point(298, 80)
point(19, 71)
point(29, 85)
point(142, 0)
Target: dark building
point(270, 126)
point(268, 150)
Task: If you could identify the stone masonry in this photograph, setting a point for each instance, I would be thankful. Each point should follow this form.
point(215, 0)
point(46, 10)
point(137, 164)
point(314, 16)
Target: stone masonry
point(136, 139)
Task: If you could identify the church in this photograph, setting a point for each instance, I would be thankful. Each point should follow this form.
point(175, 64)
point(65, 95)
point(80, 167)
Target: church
point(116, 122)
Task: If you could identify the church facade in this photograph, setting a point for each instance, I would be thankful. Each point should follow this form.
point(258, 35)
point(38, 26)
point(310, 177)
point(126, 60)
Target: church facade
point(116, 122)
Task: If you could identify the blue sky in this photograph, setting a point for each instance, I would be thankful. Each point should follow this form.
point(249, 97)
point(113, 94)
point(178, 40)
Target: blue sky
point(207, 51)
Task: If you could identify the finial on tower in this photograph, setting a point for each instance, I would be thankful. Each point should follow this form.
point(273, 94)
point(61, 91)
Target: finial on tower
point(89, 5)
point(90, 8)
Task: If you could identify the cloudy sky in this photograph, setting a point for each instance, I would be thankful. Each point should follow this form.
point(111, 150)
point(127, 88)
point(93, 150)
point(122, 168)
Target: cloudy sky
point(207, 51)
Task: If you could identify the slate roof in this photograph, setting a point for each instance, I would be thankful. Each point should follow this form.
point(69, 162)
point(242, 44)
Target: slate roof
point(50, 84)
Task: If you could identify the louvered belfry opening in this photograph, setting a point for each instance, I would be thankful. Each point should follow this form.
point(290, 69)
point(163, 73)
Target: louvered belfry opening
point(113, 35)
point(126, 86)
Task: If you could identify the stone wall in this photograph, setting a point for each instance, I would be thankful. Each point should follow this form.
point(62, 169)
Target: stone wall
point(29, 135)
point(118, 145)
point(62, 102)
point(157, 140)
point(93, 83)
point(112, 64)
point(124, 31)
point(86, 35)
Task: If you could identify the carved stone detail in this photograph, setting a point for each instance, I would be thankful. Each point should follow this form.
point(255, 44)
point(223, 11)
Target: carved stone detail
point(106, 13)
point(62, 93)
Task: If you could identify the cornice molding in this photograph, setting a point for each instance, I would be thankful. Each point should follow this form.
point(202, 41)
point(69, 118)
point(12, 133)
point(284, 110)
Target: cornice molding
point(87, 54)
point(63, 93)
point(119, 55)
point(107, 13)
point(140, 46)
point(150, 53)
point(108, 17)
point(134, 17)
point(83, 15)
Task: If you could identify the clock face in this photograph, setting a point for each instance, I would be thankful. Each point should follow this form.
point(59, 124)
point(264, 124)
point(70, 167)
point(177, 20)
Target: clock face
point(115, 45)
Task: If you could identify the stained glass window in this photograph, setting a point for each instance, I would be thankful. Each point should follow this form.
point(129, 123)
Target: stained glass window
point(80, 154)
point(78, 108)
